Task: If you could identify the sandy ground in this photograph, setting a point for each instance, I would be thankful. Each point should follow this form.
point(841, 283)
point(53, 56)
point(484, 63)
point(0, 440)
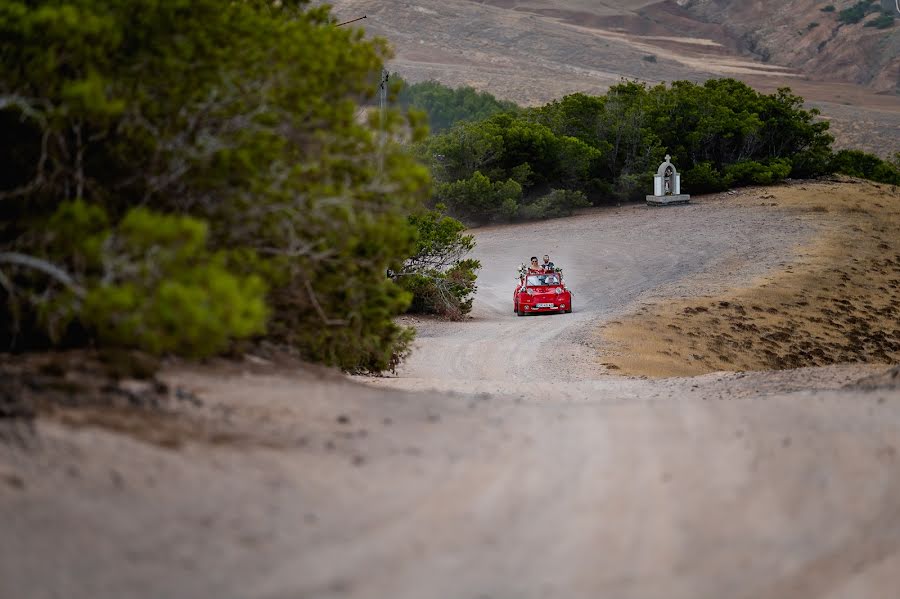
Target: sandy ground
point(504, 460)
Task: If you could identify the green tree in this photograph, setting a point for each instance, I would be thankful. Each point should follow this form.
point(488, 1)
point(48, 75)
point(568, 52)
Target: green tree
point(856, 13)
point(868, 166)
point(244, 116)
point(446, 106)
point(480, 200)
point(721, 132)
point(440, 278)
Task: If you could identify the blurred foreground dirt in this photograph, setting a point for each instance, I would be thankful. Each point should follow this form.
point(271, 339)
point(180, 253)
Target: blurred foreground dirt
point(506, 460)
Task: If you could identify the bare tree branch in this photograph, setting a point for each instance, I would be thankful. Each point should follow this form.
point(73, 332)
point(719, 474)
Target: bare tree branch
point(45, 267)
point(318, 307)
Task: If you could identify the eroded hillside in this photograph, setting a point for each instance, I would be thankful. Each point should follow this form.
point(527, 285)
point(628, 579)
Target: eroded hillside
point(535, 51)
point(807, 35)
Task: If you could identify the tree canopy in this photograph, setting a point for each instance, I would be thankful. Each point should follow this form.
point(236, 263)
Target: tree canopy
point(591, 149)
point(167, 163)
point(447, 106)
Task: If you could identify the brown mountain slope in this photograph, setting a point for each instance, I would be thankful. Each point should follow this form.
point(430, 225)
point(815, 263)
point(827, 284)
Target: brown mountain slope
point(799, 34)
point(534, 51)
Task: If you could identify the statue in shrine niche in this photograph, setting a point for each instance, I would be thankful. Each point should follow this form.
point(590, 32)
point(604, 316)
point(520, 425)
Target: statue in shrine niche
point(667, 186)
point(667, 180)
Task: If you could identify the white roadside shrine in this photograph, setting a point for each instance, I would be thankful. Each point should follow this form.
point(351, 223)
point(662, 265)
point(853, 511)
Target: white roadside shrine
point(667, 186)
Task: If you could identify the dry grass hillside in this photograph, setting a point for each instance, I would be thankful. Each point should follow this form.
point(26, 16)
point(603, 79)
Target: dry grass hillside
point(535, 51)
point(837, 301)
point(800, 34)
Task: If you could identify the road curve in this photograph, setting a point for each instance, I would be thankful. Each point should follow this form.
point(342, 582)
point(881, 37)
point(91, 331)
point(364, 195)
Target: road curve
point(584, 486)
point(611, 259)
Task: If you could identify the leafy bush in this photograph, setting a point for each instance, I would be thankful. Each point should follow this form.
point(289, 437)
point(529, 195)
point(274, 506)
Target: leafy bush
point(828, 8)
point(882, 21)
point(630, 187)
point(867, 166)
point(559, 202)
point(855, 13)
point(449, 293)
point(242, 118)
point(607, 147)
point(438, 276)
point(480, 200)
point(751, 172)
point(704, 178)
point(446, 106)
point(149, 283)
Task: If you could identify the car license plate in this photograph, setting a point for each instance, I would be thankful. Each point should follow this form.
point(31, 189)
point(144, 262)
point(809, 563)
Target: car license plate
point(545, 305)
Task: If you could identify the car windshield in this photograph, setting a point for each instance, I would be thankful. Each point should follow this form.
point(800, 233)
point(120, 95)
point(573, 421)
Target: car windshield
point(542, 280)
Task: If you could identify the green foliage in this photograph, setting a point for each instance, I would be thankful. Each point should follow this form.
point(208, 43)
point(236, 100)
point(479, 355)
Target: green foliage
point(438, 276)
point(480, 200)
point(703, 177)
point(867, 166)
point(607, 147)
point(750, 172)
point(855, 13)
point(440, 240)
point(559, 202)
point(151, 284)
point(882, 21)
point(242, 117)
point(446, 106)
point(828, 8)
point(630, 187)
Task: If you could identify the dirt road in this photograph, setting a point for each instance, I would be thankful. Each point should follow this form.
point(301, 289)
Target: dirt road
point(505, 483)
point(612, 259)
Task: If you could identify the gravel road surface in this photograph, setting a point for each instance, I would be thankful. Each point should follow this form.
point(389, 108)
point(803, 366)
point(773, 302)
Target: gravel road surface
point(503, 461)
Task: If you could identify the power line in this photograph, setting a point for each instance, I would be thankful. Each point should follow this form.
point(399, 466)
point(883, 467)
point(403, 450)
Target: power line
point(360, 19)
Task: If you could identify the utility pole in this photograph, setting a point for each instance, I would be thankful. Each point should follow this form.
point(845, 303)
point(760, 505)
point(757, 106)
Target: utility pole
point(382, 98)
point(382, 101)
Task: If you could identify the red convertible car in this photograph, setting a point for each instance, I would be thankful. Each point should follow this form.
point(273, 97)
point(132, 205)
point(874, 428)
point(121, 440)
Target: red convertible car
point(541, 292)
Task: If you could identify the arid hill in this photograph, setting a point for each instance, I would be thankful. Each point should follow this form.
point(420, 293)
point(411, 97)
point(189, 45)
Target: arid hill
point(535, 51)
point(800, 34)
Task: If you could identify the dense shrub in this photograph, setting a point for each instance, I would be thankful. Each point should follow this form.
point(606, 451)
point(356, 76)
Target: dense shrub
point(161, 290)
point(704, 178)
point(630, 187)
point(480, 200)
point(855, 13)
point(868, 166)
point(559, 202)
point(882, 21)
point(243, 120)
point(446, 106)
point(148, 283)
point(607, 147)
point(438, 276)
point(751, 172)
